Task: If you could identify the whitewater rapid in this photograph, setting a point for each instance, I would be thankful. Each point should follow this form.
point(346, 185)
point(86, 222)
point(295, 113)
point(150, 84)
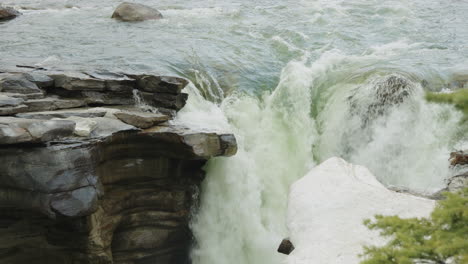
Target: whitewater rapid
point(306, 119)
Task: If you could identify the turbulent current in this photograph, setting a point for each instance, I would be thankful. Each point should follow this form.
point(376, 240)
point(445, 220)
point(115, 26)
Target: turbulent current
point(297, 82)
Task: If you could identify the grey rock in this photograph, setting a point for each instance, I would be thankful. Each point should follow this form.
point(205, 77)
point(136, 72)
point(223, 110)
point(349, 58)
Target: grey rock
point(49, 170)
point(11, 110)
point(135, 12)
point(7, 13)
point(115, 82)
point(9, 101)
point(458, 182)
point(160, 84)
point(11, 134)
point(141, 119)
point(44, 104)
point(38, 130)
point(79, 202)
point(171, 101)
point(78, 82)
point(286, 247)
point(41, 80)
point(50, 103)
point(108, 126)
point(99, 98)
point(25, 96)
point(91, 112)
point(184, 142)
point(17, 83)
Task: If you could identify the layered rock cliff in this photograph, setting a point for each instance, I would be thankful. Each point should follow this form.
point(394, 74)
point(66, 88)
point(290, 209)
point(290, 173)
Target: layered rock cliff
point(92, 170)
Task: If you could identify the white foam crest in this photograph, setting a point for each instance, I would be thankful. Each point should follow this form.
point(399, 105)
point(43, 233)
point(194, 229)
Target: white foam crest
point(200, 12)
point(244, 196)
point(405, 145)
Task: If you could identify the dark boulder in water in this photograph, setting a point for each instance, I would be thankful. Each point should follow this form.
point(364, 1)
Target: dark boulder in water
point(7, 13)
point(135, 12)
point(286, 247)
point(459, 158)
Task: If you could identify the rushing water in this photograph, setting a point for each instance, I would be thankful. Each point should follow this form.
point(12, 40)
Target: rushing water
point(294, 80)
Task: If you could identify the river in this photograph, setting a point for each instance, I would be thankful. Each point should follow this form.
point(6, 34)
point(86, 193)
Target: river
point(293, 80)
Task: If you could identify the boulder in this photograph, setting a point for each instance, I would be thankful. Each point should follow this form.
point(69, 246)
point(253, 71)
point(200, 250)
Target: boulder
point(141, 119)
point(7, 13)
point(458, 158)
point(327, 207)
point(135, 12)
point(286, 247)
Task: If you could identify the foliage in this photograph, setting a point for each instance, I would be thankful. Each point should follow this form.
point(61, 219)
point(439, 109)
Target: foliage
point(441, 238)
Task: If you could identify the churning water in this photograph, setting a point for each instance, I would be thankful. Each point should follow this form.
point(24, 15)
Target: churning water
point(296, 81)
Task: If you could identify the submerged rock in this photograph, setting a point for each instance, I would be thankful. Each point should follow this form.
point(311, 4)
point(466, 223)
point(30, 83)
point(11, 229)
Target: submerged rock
point(7, 13)
point(135, 12)
point(327, 207)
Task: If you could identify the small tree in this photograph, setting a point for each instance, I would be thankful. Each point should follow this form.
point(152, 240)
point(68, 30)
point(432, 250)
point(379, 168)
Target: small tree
point(440, 239)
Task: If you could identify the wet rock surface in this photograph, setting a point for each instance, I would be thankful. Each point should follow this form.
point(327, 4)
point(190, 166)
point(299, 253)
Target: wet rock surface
point(7, 13)
point(86, 176)
point(132, 12)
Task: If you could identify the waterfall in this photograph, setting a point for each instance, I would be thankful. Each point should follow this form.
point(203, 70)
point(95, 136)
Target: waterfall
point(330, 107)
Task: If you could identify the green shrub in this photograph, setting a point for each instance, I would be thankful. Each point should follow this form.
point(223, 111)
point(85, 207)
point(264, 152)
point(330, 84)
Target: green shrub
point(440, 239)
point(459, 98)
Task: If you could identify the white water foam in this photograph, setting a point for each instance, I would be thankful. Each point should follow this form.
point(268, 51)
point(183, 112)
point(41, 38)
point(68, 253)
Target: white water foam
point(305, 120)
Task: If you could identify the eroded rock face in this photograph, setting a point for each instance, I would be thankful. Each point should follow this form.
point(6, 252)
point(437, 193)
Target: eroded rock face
point(7, 13)
point(135, 12)
point(88, 177)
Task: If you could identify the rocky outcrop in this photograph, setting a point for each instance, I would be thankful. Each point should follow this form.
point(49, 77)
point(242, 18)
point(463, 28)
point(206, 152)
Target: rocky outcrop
point(7, 13)
point(87, 176)
point(135, 12)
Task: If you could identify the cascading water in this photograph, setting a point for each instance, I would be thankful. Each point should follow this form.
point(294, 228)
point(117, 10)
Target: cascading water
point(379, 119)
